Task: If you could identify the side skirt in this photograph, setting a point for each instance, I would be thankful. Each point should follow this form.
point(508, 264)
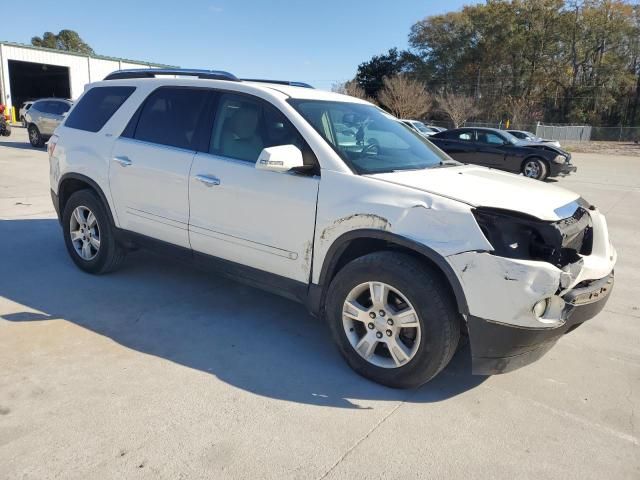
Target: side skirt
point(285, 287)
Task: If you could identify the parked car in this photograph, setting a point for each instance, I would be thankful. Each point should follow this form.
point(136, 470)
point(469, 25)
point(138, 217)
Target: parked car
point(530, 137)
point(499, 149)
point(22, 112)
point(43, 118)
point(420, 127)
point(399, 248)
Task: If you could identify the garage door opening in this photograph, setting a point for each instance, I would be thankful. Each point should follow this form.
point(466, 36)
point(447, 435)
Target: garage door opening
point(30, 81)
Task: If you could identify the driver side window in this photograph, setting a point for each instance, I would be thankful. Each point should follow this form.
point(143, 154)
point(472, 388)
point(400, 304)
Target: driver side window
point(244, 125)
point(490, 138)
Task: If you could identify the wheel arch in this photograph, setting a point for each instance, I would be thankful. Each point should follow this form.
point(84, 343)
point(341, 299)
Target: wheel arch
point(357, 243)
point(72, 182)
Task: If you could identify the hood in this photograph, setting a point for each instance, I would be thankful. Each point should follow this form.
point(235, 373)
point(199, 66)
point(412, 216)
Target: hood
point(542, 144)
point(484, 187)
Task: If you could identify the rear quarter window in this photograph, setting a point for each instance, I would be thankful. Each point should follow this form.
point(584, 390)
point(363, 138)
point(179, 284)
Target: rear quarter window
point(96, 107)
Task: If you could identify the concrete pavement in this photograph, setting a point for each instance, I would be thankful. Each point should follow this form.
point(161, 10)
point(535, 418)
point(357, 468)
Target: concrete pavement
point(161, 371)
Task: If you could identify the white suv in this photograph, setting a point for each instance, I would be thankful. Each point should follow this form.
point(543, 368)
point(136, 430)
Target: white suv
point(328, 200)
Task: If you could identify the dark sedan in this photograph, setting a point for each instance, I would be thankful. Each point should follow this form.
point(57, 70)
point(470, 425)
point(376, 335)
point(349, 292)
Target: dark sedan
point(495, 148)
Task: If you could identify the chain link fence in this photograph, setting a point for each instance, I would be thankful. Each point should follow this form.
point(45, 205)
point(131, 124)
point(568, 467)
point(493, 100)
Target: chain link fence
point(616, 134)
point(564, 133)
point(560, 132)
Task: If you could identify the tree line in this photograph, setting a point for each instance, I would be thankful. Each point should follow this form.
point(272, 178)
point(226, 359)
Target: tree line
point(523, 60)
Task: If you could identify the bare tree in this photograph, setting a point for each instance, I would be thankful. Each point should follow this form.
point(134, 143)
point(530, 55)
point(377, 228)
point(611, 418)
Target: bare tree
point(352, 89)
point(457, 107)
point(523, 110)
point(404, 97)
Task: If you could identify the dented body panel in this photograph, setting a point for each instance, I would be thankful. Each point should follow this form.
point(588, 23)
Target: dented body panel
point(349, 202)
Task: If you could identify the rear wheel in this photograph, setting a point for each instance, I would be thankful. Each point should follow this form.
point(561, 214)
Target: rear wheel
point(392, 319)
point(535, 168)
point(35, 137)
point(89, 235)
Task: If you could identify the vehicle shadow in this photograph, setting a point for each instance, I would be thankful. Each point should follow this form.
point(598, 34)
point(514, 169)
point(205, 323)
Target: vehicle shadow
point(17, 144)
point(246, 337)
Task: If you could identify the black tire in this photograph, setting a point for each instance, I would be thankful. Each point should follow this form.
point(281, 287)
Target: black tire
point(7, 131)
point(535, 168)
point(425, 290)
point(110, 254)
point(35, 137)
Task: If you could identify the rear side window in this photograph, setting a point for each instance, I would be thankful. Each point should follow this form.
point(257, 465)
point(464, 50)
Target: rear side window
point(96, 107)
point(38, 106)
point(465, 135)
point(57, 108)
point(172, 116)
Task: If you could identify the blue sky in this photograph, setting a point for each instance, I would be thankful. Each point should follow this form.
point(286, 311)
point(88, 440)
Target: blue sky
point(319, 42)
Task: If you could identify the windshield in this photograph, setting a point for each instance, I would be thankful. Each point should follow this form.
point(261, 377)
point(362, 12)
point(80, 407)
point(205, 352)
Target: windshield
point(368, 139)
point(509, 137)
point(421, 126)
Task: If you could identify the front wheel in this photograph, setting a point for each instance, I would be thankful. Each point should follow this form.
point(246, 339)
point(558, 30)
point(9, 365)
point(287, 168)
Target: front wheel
point(393, 319)
point(534, 168)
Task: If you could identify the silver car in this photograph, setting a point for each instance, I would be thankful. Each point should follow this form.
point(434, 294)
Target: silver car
point(43, 118)
point(23, 111)
point(530, 137)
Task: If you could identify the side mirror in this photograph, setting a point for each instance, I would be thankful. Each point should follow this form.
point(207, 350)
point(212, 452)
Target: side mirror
point(282, 158)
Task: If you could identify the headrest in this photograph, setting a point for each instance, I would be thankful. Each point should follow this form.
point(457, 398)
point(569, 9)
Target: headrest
point(244, 122)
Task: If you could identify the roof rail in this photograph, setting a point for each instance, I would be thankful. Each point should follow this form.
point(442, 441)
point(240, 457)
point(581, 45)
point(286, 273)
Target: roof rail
point(152, 72)
point(278, 82)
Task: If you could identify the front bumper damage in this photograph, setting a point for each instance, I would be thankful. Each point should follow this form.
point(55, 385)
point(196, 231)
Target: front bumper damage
point(500, 348)
point(505, 331)
point(562, 169)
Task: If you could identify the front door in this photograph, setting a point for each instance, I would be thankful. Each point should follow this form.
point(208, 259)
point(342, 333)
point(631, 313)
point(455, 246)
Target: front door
point(150, 163)
point(253, 217)
point(491, 149)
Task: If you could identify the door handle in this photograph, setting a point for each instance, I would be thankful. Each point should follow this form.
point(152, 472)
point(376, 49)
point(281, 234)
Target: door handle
point(208, 180)
point(123, 161)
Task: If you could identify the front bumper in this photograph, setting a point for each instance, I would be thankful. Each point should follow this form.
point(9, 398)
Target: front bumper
point(562, 169)
point(499, 347)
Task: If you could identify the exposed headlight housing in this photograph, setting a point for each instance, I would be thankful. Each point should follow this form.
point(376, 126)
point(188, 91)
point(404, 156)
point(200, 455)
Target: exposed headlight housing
point(559, 159)
point(516, 235)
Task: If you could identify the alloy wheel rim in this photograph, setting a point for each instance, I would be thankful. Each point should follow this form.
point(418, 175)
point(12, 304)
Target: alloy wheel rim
point(33, 135)
point(84, 232)
point(532, 169)
point(381, 324)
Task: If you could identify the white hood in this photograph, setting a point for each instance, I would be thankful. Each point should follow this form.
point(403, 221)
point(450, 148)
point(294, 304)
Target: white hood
point(484, 187)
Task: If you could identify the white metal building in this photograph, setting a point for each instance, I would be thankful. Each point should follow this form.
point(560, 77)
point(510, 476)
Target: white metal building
point(28, 72)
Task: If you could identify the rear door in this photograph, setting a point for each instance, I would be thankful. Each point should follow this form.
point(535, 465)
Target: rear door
point(46, 118)
point(458, 144)
point(150, 164)
point(57, 111)
point(253, 217)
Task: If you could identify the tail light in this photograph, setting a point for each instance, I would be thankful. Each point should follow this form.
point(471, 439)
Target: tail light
point(51, 145)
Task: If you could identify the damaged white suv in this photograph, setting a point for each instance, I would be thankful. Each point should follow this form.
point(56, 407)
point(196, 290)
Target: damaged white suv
point(330, 201)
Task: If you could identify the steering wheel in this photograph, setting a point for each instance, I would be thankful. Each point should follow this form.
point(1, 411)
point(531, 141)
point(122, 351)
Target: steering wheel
point(372, 149)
